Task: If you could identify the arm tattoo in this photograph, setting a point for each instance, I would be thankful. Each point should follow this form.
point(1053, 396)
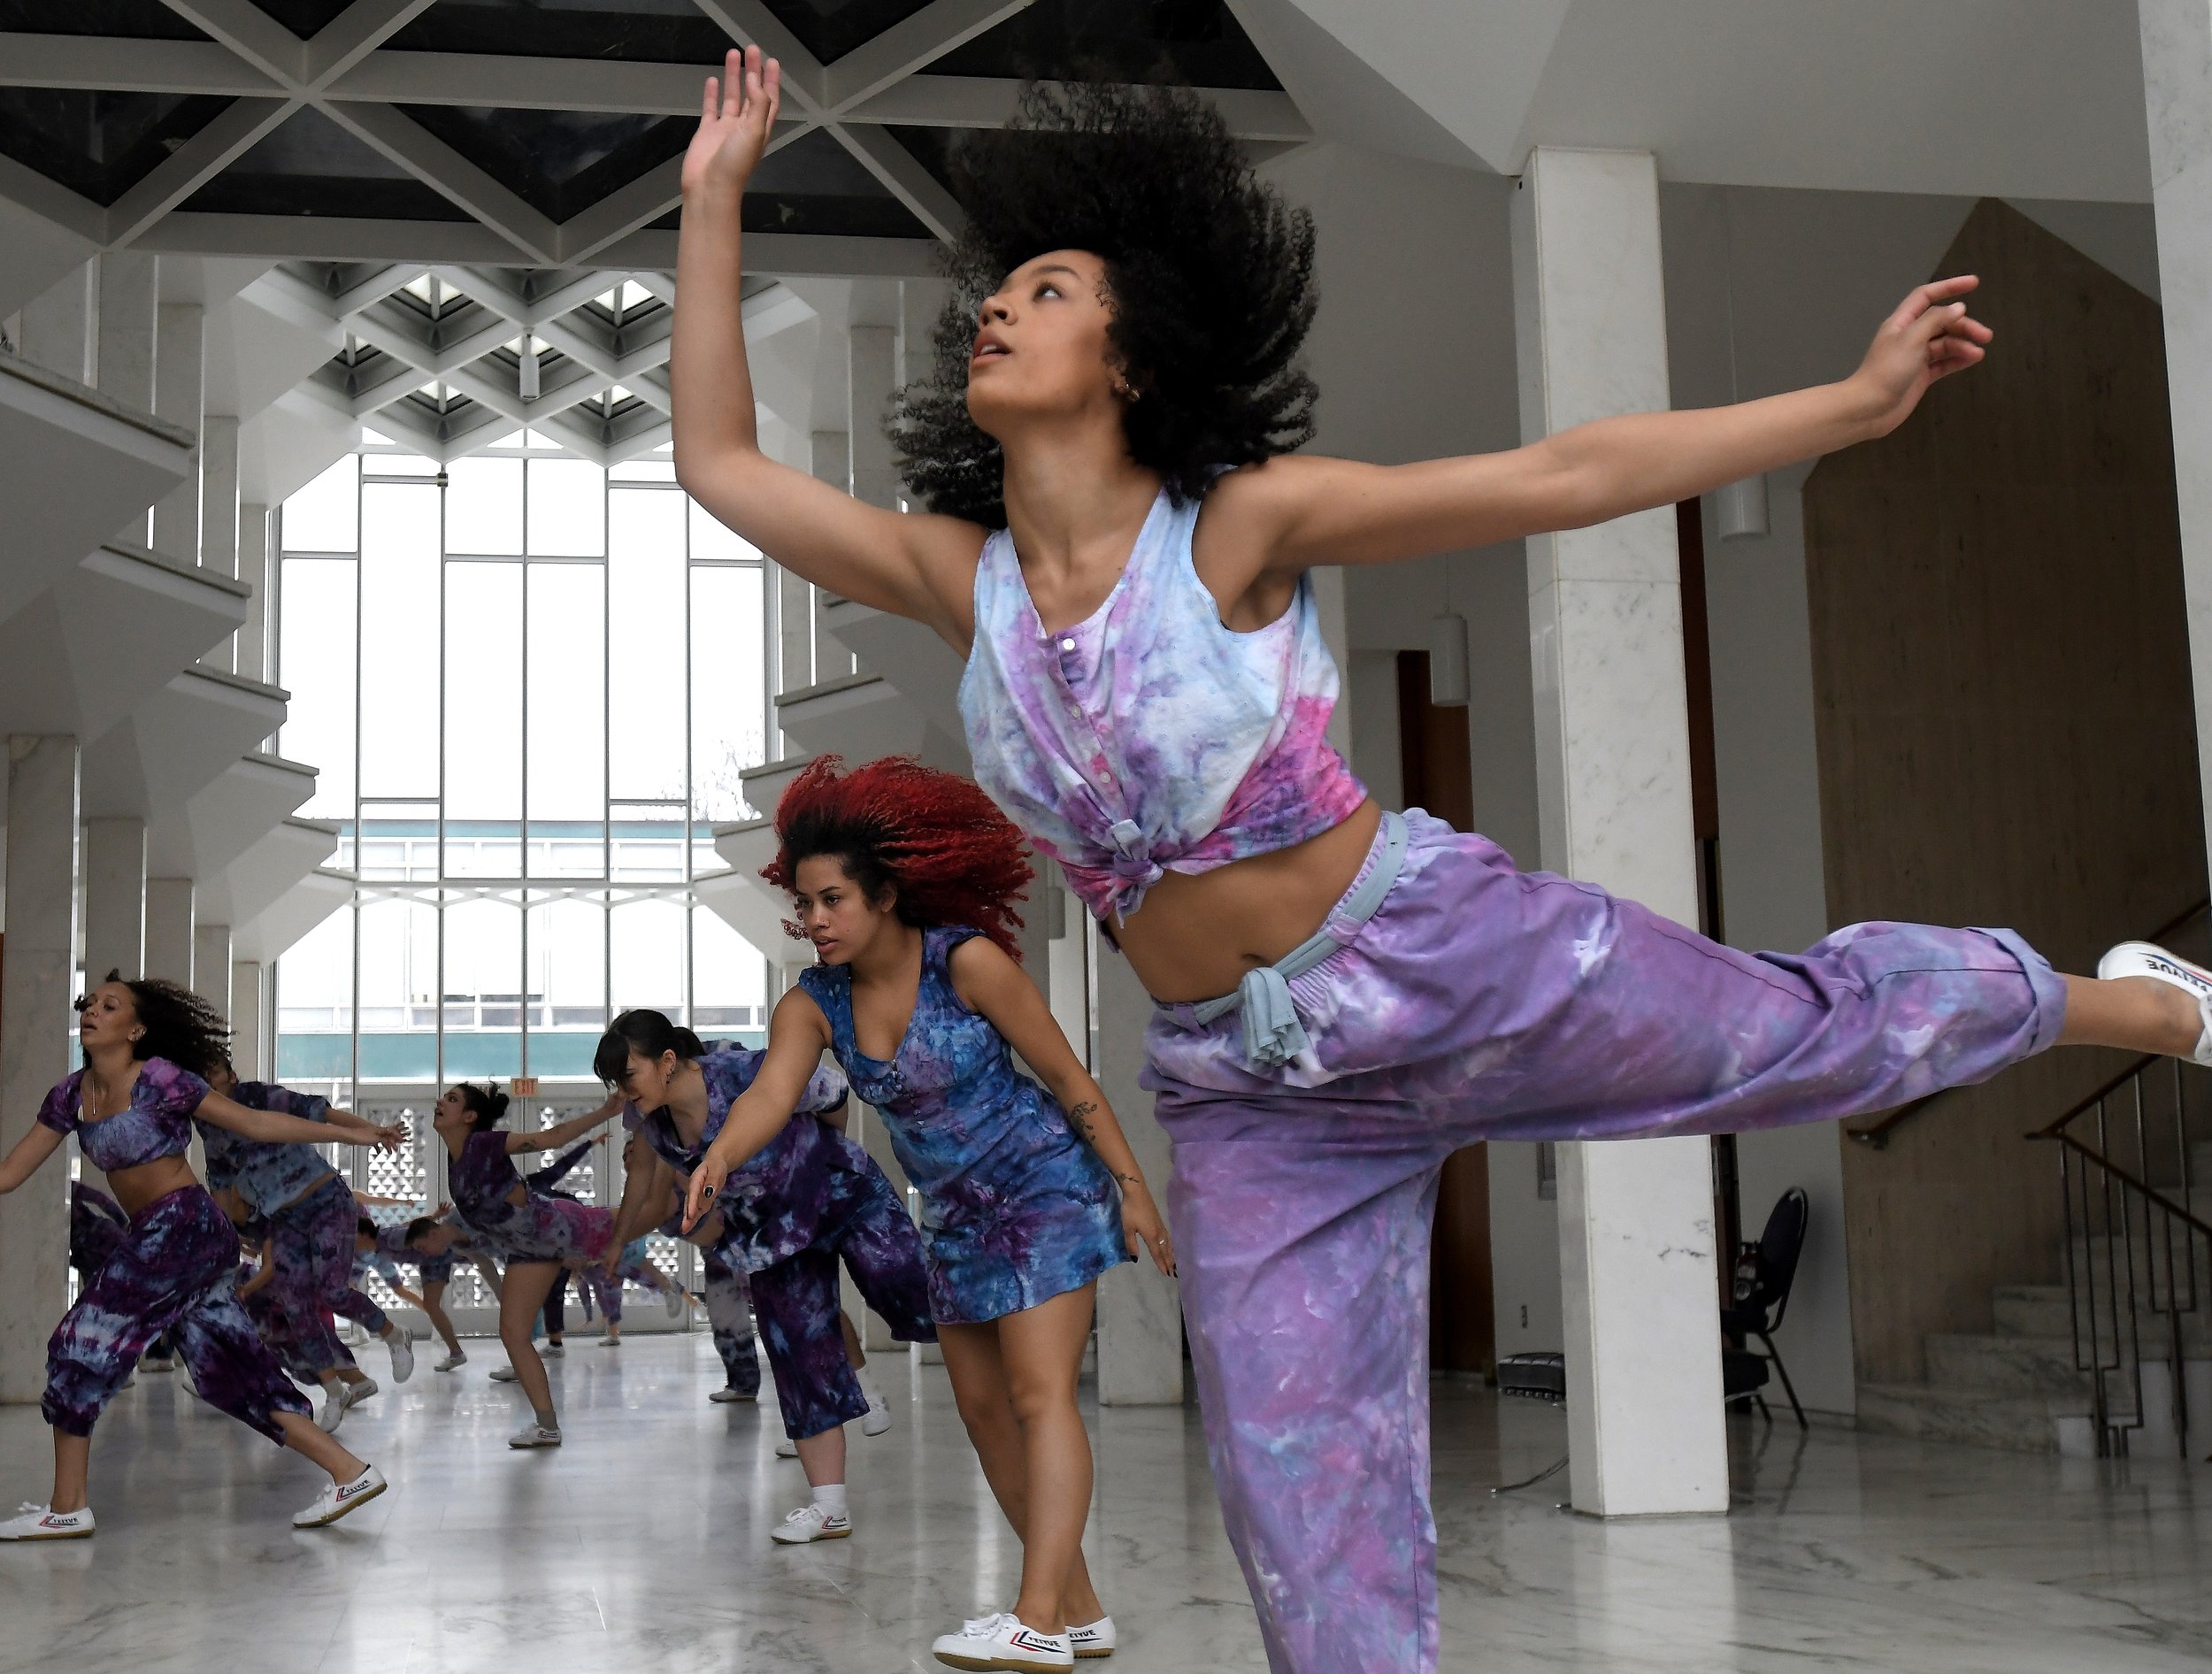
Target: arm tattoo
point(1080, 1119)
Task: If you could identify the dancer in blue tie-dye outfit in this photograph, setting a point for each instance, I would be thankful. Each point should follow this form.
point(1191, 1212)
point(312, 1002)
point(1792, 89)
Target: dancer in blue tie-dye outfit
point(174, 1266)
point(904, 879)
point(1116, 531)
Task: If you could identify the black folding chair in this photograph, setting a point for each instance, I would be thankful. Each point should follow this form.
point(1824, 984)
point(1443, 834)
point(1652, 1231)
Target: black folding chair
point(1764, 1273)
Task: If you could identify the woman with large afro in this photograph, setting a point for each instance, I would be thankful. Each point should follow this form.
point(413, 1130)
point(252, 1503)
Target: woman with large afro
point(1114, 530)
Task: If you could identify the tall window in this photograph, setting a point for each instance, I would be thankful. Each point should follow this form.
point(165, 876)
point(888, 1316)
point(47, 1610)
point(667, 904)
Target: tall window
point(530, 684)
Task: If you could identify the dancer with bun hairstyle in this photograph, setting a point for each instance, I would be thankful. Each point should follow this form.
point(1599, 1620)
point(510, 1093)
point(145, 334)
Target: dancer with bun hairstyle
point(1116, 535)
point(539, 1234)
point(806, 1199)
point(904, 879)
point(147, 1045)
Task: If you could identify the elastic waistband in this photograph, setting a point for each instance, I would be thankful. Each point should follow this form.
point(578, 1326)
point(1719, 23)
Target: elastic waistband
point(1273, 1031)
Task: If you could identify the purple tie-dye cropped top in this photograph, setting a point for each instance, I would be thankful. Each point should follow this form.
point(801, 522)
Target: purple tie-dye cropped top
point(1149, 738)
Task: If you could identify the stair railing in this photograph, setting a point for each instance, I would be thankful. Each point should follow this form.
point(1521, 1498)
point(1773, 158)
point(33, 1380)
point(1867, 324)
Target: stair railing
point(2133, 1243)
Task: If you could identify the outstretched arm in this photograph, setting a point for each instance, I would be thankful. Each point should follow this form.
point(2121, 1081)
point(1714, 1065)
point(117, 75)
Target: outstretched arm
point(1290, 514)
point(270, 1124)
point(989, 983)
point(911, 564)
point(560, 1134)
point(798, 1034)
point(23, 1159)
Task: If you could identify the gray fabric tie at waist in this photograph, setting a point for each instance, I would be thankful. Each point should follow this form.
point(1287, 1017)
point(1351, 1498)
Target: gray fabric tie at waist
point(1272, 1032)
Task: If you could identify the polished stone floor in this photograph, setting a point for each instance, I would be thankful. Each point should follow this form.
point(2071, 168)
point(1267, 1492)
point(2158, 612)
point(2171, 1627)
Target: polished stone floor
point(642, 1545)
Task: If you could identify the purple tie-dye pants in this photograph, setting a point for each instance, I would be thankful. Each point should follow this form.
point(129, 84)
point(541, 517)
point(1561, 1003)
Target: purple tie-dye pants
point(311, 1239)
point(175, 1269)
point(1482, 1003)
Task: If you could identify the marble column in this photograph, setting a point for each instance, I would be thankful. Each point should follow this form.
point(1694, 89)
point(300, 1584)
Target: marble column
point(832, 452)
point(248, 994)
point(61, 326)
point(2177, 37)
point(169, 902)
point(871, 377)
point(179, 396)
point(1140, 1311)
point(1637, 1279)
point(257, 567)
point(211, 964)
point(114, 897)
point(219, 493)
point(37, 982)
point(128, 308)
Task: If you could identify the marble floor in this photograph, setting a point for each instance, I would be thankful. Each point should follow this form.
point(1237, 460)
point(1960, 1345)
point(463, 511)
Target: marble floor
point(642, 1543)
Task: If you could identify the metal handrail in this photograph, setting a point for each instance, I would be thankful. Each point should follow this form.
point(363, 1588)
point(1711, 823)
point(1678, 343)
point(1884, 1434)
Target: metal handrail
point(1876, 1134)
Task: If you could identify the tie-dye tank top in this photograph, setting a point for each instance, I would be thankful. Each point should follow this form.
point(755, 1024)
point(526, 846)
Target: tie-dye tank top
point(1149, 738)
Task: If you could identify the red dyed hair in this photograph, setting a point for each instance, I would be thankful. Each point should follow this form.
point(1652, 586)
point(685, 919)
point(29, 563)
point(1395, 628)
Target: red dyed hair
point(954, 857)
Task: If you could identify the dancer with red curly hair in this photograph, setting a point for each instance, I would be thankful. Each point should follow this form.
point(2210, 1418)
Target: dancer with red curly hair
point(904, 880)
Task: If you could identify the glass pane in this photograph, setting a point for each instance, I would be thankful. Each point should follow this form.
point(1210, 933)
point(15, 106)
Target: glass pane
point(399, 841)
point(646, 566)
point(315, 1004)
point(399, 985)
point(399, 639)
point(568, 517)
point(483, 506)
point(568, 985)
point(315, 628)
point(728, 688)
point(568, 692)
point(647, 949)
point(483, 989)
point(325, 515)
point(483, 695)
point(646, 845)
point(729, 981)
point(713, 542)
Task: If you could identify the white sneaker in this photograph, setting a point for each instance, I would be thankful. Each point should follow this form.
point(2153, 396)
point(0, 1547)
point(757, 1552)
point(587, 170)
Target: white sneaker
point(504, 1374)
point(337, 1499)
point(454, 1362)
point(810, 1523)
point(1001, 1642)
point(674, 1297)
point(878, 1416)
point(35, 1522)
point(551, 1351)
point(1097, 1640)
point(356, 1394)
point(610, 1342)
point(787, 1449)
point(403, 1356)
point(2147, 959)
point(535, 1434)
point(331, 1413)
point(731, 1393)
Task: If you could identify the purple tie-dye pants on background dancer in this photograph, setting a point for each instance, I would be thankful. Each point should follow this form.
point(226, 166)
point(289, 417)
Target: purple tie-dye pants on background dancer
point(1482, 1003)
point(174, 1269)
point(311, 1242)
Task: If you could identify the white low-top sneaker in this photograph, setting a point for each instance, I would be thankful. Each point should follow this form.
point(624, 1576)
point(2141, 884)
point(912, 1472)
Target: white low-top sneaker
point(1001, 1642)
point(878, 1418)
point(1095, 1640)
point(35, 1521)
point(504, 1374)
point(551, 1351)
point(787, 1449)
point(810, 1523)
point(535, 1434)
point(332, 1412)
point(730, 1392)
point(402, 1356)
point(338, 1499)
point(453, 1362)
point(2148, 959)
point(610, 1342)
point(356, 1394)
point(676, 1300)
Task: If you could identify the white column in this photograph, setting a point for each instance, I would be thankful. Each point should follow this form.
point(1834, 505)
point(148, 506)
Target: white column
point(871, 368)
point(211, 964)
point(114, 897)
point(169, 929)
point(256, 568)
point(219, 493)
point(2178, 95)
point(61, 329)
point(832, 452)
point(1140, 1310)
point(179, 393)
point(37, 981)
point(248, 996)
point(1637, 1279)
point(127, 311)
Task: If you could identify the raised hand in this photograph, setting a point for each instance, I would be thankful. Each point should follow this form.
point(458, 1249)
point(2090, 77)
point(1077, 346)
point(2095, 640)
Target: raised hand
point(736, 117)
point(1929, 337)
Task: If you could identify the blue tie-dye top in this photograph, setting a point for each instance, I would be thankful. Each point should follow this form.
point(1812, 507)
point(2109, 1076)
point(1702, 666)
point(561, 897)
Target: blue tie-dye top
point(1148, 737)
point(268, 1173)
point(157, 1123)
point(772, 1206)
point(976, 1136)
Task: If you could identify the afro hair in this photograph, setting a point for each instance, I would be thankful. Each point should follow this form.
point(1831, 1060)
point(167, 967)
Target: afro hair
point(1209, 272)
point(936, 838)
